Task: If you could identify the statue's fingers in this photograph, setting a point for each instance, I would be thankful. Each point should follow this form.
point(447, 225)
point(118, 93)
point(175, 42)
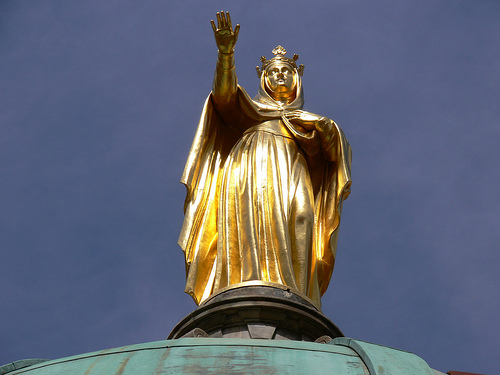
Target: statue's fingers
point(213, 25)
point(219, 21)
point(228, 19)
point(236, 31)
point(223, 17)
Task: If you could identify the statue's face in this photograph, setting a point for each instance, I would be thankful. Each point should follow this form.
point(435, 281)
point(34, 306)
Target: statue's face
point(280, 79)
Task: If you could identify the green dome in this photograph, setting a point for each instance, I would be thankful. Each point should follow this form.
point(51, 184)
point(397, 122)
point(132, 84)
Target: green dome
point(227, 356)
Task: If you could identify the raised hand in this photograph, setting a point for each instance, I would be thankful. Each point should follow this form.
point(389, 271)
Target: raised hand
point(225, 37)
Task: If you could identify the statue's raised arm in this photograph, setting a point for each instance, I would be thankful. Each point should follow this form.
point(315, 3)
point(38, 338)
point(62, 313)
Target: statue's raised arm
point(225, 81)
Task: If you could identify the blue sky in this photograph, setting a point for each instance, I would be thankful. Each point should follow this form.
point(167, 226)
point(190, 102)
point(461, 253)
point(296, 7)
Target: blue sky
point(98, 108)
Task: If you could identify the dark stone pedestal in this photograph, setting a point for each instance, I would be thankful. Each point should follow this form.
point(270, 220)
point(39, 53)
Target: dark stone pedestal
point(257, 312)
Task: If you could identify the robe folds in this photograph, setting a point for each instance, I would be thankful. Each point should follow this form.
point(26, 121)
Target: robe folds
point(263, 200)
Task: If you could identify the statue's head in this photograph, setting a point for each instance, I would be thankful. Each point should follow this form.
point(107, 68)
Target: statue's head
point(281, 75)
point(280, 78)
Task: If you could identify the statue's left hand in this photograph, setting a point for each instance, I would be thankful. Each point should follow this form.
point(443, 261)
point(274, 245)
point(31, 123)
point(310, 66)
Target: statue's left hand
point(225, 38)
point(307, 120)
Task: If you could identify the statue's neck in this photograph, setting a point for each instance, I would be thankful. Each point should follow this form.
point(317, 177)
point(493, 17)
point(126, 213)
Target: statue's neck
point(282, 98)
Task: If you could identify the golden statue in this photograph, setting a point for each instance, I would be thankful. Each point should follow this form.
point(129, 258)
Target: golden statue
point(265, 183)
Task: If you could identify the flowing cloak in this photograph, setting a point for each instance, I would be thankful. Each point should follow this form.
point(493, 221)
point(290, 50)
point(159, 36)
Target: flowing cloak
point(328, 161)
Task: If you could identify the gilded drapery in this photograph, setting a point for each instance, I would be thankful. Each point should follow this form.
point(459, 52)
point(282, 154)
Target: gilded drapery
point(263, 200)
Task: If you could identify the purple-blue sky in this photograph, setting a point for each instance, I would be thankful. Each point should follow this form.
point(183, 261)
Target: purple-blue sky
point(98, 107)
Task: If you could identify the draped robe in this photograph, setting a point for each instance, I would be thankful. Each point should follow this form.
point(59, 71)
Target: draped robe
point(264, 198)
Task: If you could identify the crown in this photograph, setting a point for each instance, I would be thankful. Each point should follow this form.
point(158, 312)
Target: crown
point(279, 56)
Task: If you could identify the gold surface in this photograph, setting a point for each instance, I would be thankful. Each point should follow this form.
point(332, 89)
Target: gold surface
point(265, 182)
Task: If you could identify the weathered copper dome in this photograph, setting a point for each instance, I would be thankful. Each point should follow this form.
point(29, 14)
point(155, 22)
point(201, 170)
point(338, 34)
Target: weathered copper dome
point(228, 356)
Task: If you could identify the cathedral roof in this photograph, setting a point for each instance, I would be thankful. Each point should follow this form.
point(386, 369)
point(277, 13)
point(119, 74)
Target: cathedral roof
point(250, 356)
